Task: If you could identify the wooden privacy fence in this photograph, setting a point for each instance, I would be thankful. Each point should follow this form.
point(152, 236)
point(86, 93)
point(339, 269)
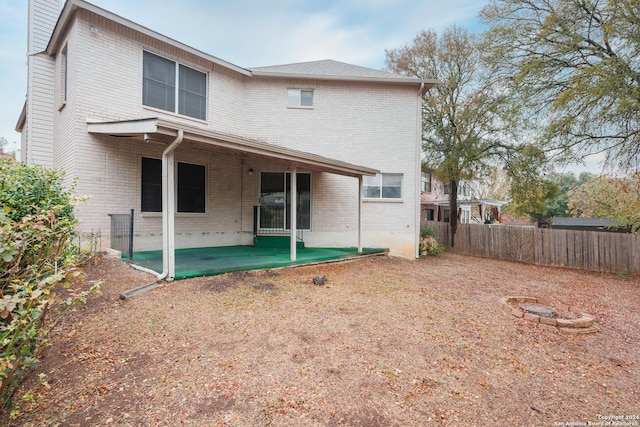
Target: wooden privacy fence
point(597, 251)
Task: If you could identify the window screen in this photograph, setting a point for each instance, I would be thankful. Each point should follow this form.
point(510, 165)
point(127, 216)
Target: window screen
point(159, 82)
point(191, 188)
point(192, 95)
point(151, 185)
point(300, 97)
point(160, 85)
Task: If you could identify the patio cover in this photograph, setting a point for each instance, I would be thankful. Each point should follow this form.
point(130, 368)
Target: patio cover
point(174, 133)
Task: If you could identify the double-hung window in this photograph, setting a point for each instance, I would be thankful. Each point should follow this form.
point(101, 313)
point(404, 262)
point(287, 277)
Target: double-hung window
point(174, 87)
point(190, 192)
point(382, 186)
point(426, 182)
point(465, 216)
point(301, 98)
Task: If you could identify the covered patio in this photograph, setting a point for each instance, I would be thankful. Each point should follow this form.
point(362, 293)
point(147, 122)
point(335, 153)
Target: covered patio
point(198, 262)
point(171, 263)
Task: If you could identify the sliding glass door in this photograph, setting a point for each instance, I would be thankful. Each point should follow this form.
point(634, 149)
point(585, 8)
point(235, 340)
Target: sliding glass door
point(275, 200)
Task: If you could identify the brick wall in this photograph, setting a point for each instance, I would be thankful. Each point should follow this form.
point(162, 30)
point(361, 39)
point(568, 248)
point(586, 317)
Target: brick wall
point(374, 125)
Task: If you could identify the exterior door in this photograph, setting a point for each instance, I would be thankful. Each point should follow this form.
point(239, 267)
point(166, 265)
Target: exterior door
point(275, 199)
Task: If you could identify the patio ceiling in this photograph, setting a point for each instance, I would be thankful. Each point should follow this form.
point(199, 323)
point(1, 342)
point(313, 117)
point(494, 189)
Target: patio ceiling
point(163, 129)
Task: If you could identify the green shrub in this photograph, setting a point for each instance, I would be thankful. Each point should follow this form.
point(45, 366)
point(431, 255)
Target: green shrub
point(36, 254)
point(427, 231)
point(429, 245)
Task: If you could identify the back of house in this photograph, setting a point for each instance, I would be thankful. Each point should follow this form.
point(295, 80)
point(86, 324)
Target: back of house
point(219, 151)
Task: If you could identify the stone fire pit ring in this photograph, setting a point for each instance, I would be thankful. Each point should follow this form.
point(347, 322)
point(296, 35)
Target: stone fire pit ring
point(542, 311)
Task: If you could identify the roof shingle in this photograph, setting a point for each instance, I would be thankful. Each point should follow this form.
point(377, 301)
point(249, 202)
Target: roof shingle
point(329, 68)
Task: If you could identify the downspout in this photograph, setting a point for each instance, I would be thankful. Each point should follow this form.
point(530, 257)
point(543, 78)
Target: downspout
point(293, 214)
point(360, 214)
point(419, 172)
point(168, 217)
point(168, 209)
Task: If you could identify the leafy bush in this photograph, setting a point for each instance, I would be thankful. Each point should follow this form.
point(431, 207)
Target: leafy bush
point(36, 254)
point(427, 231)
point(428, 243)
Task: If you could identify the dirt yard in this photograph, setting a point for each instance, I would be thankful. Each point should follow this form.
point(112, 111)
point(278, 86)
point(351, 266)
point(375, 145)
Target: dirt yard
point(385, 342)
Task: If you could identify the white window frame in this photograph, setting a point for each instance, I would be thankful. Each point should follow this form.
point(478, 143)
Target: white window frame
point(176, 96)
point(425, 178)
point(465, 216)
point(368, 181)
point(295, 99)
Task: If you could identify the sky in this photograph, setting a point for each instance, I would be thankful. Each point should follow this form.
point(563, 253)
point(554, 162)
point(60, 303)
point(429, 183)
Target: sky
point(250, 33)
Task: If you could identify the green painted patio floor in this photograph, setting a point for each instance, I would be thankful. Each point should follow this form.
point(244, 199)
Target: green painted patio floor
point(198, 262)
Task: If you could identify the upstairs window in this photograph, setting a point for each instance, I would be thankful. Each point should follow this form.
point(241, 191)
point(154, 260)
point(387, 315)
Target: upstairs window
point(174, 87)
point(464, 189)
point(426, 182)
point(382, 186)
point(300, 98)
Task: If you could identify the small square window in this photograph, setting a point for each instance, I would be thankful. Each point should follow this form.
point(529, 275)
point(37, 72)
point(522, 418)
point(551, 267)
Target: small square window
point(300, 97)
point(428, 214)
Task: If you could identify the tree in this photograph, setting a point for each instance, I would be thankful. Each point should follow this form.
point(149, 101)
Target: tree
point(609, 197)
point(575, 66)
point(559, 205)
point(465, 121)
point(492, 185)
point(529, 188)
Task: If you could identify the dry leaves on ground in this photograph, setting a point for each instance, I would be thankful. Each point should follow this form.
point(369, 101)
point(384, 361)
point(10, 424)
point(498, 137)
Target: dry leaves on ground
point(385, 342)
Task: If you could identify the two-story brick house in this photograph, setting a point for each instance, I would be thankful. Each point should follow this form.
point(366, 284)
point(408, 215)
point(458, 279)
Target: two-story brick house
point(192, 143)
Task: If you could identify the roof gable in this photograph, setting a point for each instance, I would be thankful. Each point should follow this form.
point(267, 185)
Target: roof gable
point(320, 70)
point(327, 67)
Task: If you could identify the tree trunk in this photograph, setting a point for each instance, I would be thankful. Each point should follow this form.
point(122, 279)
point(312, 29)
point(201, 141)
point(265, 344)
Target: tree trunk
point(453, 211)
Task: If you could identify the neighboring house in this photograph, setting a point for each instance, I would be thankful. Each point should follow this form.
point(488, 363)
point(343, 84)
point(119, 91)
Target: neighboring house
point(528, 222)
point(434, 200)
point(587, 224)
point(5, 156)
point(193, 143)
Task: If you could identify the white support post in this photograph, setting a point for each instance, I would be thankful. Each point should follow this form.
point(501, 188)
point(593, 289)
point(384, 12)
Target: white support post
point(293, 212)
point(360, 214)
